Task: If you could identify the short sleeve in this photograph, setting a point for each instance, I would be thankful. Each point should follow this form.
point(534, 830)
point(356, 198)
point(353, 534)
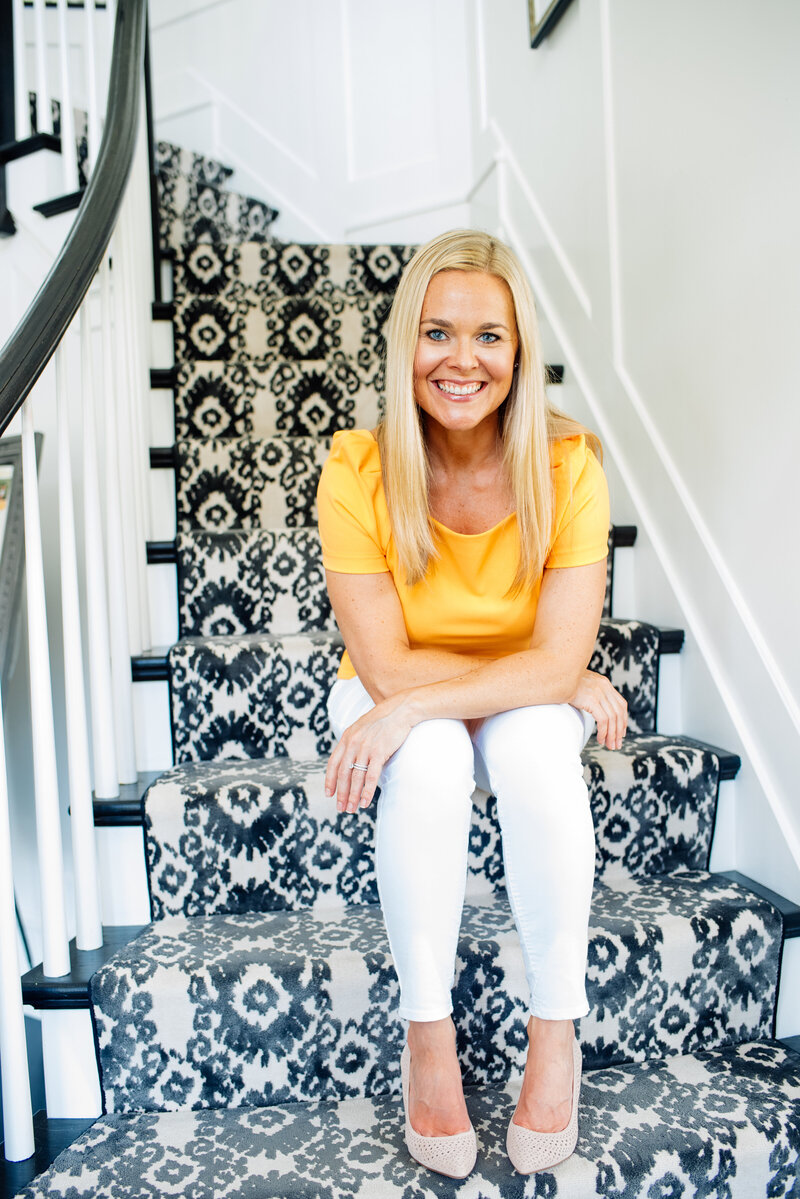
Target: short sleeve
point(348, 524)
point(581, 506)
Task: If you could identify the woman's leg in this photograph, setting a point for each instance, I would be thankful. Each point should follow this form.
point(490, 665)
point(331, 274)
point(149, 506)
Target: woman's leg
point(532, 761)
point(421, 844)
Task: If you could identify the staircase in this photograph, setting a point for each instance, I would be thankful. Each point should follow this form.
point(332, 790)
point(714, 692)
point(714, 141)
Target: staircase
point(246, 1038)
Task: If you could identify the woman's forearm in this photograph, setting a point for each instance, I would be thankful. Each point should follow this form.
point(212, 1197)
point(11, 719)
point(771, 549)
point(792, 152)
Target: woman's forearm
point(535, 676)
point(406, 669)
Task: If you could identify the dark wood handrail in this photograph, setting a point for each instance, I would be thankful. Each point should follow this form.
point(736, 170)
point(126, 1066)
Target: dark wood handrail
point(33, 342)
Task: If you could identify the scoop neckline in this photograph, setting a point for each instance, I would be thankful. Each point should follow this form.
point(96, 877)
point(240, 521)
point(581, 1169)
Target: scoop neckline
point(447, 529)
point(470, 536)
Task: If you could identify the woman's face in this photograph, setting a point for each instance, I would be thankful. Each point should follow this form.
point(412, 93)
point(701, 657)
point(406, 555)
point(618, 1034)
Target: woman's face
point(466, 348)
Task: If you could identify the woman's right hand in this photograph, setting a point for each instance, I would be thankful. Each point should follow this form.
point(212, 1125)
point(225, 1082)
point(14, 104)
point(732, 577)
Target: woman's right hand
point(363, 750)
point(595, 695)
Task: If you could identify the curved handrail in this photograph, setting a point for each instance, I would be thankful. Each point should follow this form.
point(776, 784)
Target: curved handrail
point(33, 342)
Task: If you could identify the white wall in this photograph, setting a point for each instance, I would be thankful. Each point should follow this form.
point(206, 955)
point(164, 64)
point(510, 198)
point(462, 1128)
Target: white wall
point(652, 182)
point(345, 114)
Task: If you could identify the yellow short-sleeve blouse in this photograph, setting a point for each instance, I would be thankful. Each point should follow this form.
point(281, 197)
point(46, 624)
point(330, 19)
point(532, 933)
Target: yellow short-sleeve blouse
point(462, 605)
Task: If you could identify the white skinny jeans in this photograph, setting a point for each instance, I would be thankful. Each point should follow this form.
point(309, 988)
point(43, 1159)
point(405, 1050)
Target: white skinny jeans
point(529, 758)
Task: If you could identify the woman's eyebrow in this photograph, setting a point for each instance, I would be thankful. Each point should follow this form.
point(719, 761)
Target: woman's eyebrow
point(433, 320)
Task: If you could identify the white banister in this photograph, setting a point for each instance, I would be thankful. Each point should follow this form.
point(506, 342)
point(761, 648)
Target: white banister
point(115, 556)
point(89, 930)
point(22, 121)
point(17, 1117)
point(90, 66)
point(69, 153)
point(48, 816)
point(106, 783)
point(44, 117)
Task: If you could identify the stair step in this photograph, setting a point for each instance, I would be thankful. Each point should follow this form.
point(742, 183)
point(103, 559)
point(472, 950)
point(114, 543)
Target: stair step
point(676, 1127)
point(234, 1010)
point(262, 836)
point(249, 482)
point(265, 695)
point(171, 159)
point(193, 210)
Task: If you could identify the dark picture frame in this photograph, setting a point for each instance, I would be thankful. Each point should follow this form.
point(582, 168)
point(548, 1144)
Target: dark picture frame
point(543, 16)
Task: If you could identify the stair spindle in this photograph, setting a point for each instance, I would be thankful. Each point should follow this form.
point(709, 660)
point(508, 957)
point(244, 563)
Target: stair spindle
point(122, 683)
point(93, 130)
point(69, 154)
point(17, 1116)
point(124, 449)
point(84, 853)
point(106, 783)
point(22, 120)
point(48, 815)
point(44, 118)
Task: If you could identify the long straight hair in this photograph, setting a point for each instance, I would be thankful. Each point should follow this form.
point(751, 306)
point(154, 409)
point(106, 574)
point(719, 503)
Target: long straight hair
point(529, 423)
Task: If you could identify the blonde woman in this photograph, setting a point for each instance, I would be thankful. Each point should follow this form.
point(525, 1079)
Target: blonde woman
point(465, 541)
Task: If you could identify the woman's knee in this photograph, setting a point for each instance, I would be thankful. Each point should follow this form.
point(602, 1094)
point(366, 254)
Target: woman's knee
point(436, 762)
point(534, 745)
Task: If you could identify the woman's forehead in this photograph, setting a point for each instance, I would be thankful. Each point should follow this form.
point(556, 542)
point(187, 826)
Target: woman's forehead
point(466, 291)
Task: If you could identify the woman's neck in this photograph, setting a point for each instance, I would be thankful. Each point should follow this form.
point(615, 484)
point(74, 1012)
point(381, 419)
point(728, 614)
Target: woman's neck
point(451, 450)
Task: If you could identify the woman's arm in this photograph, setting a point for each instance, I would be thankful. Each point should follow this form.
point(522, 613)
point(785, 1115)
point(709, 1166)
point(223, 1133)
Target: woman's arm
point(551, 671)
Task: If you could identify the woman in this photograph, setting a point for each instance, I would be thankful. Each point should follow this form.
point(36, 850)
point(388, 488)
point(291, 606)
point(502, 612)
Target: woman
point(465, 543)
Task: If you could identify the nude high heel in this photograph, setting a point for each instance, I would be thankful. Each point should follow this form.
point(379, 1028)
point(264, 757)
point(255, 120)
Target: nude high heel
point(453, 1156)
point(532, 1151)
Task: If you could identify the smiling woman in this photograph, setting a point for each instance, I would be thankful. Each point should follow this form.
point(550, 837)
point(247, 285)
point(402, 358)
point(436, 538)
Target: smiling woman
point(464, 542)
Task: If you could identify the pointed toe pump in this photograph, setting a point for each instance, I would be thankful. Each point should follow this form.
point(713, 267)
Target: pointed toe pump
point(454, 1156)
point(532, 1151)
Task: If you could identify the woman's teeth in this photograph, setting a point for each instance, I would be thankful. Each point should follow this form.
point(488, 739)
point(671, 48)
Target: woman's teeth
point(459, 389)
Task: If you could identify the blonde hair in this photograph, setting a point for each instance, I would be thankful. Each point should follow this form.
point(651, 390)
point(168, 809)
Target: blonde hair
point(528, 421)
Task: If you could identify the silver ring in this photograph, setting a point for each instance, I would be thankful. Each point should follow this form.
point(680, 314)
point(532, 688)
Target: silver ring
point(355, 766)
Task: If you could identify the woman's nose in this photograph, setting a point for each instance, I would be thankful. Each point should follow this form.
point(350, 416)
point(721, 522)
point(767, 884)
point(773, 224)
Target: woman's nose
point(462, 353)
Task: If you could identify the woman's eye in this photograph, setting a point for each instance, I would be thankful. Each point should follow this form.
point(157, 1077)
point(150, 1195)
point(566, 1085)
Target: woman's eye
point(488, 338)
point(436, 334)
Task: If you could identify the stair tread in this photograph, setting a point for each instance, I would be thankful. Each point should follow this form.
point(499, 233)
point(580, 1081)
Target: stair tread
point(294, 1005)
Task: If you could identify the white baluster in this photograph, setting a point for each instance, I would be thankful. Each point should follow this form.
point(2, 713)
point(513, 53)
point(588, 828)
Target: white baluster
point(115, 555)
point(69, 154)
point(22, 122)
point(93, 131)
point(48, 816)
point(124, 453)
point(136, 383)
point(106, 783)
point(43, 115)
point(89, 929)
point(17, 1118)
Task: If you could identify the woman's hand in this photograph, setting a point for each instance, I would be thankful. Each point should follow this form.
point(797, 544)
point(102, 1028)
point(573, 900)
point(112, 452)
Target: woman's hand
point(595, 695)
point(370, 742)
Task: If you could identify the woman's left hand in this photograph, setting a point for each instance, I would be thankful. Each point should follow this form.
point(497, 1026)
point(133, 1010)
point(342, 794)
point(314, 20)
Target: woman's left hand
point(595, 695)
point(370, 742)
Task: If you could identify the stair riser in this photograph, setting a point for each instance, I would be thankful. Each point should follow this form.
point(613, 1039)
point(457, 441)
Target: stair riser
point(238, 838)
point(241, 1011)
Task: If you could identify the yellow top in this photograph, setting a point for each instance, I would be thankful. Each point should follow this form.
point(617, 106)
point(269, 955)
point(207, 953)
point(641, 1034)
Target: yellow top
point(462, 605)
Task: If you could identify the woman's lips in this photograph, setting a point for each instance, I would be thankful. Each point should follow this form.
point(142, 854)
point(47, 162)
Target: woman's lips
point(459, 391)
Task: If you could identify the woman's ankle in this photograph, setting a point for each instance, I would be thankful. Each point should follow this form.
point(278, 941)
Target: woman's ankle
point(431, 1036)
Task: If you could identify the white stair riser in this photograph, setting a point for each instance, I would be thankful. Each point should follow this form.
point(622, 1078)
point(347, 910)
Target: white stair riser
point(72, 1083)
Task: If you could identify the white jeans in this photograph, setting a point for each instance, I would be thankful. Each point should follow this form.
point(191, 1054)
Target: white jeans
point(529, 758)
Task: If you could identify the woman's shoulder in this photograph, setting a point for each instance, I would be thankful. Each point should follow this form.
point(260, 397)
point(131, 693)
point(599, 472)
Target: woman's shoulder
point(352, 463)
point(356, 449)
point(572, 459)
